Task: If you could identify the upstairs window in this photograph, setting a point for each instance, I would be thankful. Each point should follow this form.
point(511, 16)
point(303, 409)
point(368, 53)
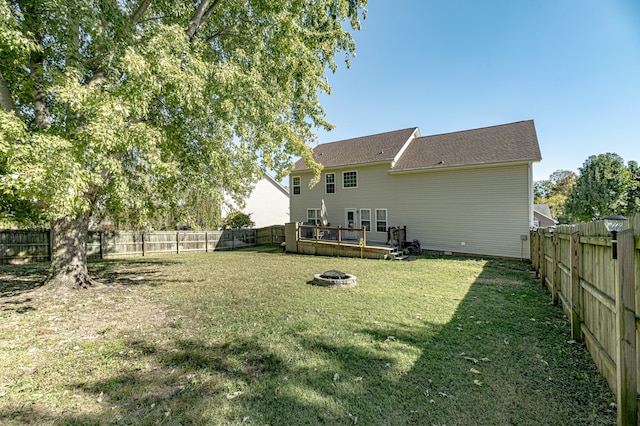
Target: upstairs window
point(295, 185)
point(330, 183)
point(365, 219)
point(381, 220)
point(350, 179)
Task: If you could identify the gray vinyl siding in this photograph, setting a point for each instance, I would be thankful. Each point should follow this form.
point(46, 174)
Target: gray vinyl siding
point(487, 208)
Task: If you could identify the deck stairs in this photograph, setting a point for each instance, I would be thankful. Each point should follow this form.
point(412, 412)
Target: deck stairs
point(397, 254)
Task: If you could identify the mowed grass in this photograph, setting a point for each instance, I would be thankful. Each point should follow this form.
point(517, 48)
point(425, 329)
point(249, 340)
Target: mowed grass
point(242, 337)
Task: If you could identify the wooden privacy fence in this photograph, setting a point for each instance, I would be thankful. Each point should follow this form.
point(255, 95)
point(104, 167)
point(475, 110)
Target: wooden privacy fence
point(600, 297)
point(18, 246)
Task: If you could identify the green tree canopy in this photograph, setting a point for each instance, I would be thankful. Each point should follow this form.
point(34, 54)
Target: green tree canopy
point(555, 191)
point(237, 220)
point(120, 107)
point(605, 186)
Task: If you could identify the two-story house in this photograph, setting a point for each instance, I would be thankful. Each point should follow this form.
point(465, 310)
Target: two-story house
point(462, 192)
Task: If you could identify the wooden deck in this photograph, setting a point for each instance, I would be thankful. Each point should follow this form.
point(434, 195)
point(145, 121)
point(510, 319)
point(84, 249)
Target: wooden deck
point(336, 241)
point(371, 250)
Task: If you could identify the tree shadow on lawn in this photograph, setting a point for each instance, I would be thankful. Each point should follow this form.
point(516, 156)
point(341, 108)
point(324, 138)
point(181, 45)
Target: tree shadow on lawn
point(16, 280)
point(514, 339)
point(21, 286)
point(190, 383)
point(133, 272)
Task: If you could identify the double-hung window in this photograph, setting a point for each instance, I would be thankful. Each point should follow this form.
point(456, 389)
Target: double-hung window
point(313, 216)
point(330, 183)
point(350, 179)
point(365, 219)
point(295, 185)
point(381, 220)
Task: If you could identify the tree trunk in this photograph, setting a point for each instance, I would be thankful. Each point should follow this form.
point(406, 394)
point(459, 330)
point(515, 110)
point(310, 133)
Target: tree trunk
point(69, 253)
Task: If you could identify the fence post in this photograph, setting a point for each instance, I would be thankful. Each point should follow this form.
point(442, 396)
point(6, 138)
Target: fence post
point(101, 245)
point(233, 240)
point(543, 260)
point(143, 249)
point(576, 309)
point(178, 242)
point(532, 250)
point(206, 241)
point(535, 242)
point(556, 270)
point(626, 371)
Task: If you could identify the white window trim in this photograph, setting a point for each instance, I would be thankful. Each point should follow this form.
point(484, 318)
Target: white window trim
point(357, 179)
point(386, 216)
point(293, 192)
point(334, 183)
point(318, 217)
point(361, 220)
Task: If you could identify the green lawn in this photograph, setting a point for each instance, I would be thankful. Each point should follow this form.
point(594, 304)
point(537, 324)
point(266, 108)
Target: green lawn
point(243, 338)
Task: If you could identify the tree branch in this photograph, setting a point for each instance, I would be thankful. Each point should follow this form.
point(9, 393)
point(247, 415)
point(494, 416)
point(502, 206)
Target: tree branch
point(226, 31)
point(211, 10)
point(195, 22)
point(144, 5)
point(6, 100)
point(203, 13)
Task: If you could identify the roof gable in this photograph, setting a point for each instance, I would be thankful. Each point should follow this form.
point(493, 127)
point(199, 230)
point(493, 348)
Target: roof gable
point(366, 149)
point(514, 142)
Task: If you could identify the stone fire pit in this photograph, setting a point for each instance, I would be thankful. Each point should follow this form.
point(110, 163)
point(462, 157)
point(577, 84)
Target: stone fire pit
point(334, 278)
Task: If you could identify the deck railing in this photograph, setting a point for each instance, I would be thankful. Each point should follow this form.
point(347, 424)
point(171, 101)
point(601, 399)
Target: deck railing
point(332, 234)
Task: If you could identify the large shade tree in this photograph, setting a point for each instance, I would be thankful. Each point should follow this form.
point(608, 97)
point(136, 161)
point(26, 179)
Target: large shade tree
point(120, 107)
point(605, 186)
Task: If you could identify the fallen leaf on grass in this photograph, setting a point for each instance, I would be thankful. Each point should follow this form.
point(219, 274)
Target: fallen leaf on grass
point(336, 377)
point(390, 339)
point(353, 418)
point(443, 395)
point(506, 341)
point(477, 382)
point(474, 371)
point(485, 360)
point(234, 394)
point(468, 358)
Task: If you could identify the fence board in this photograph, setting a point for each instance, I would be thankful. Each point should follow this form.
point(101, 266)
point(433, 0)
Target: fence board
point(600, 296)
point(19, 246)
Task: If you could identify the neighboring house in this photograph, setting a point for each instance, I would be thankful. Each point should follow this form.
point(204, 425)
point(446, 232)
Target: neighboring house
point(463, 192)
point(268, 203)
point(542, 217)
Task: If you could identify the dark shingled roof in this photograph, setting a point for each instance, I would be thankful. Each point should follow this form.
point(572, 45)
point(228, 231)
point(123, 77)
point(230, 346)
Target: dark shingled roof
point(514, 142)
point(366, 149)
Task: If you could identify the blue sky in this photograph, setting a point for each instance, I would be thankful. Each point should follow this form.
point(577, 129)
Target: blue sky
point(573, 66)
